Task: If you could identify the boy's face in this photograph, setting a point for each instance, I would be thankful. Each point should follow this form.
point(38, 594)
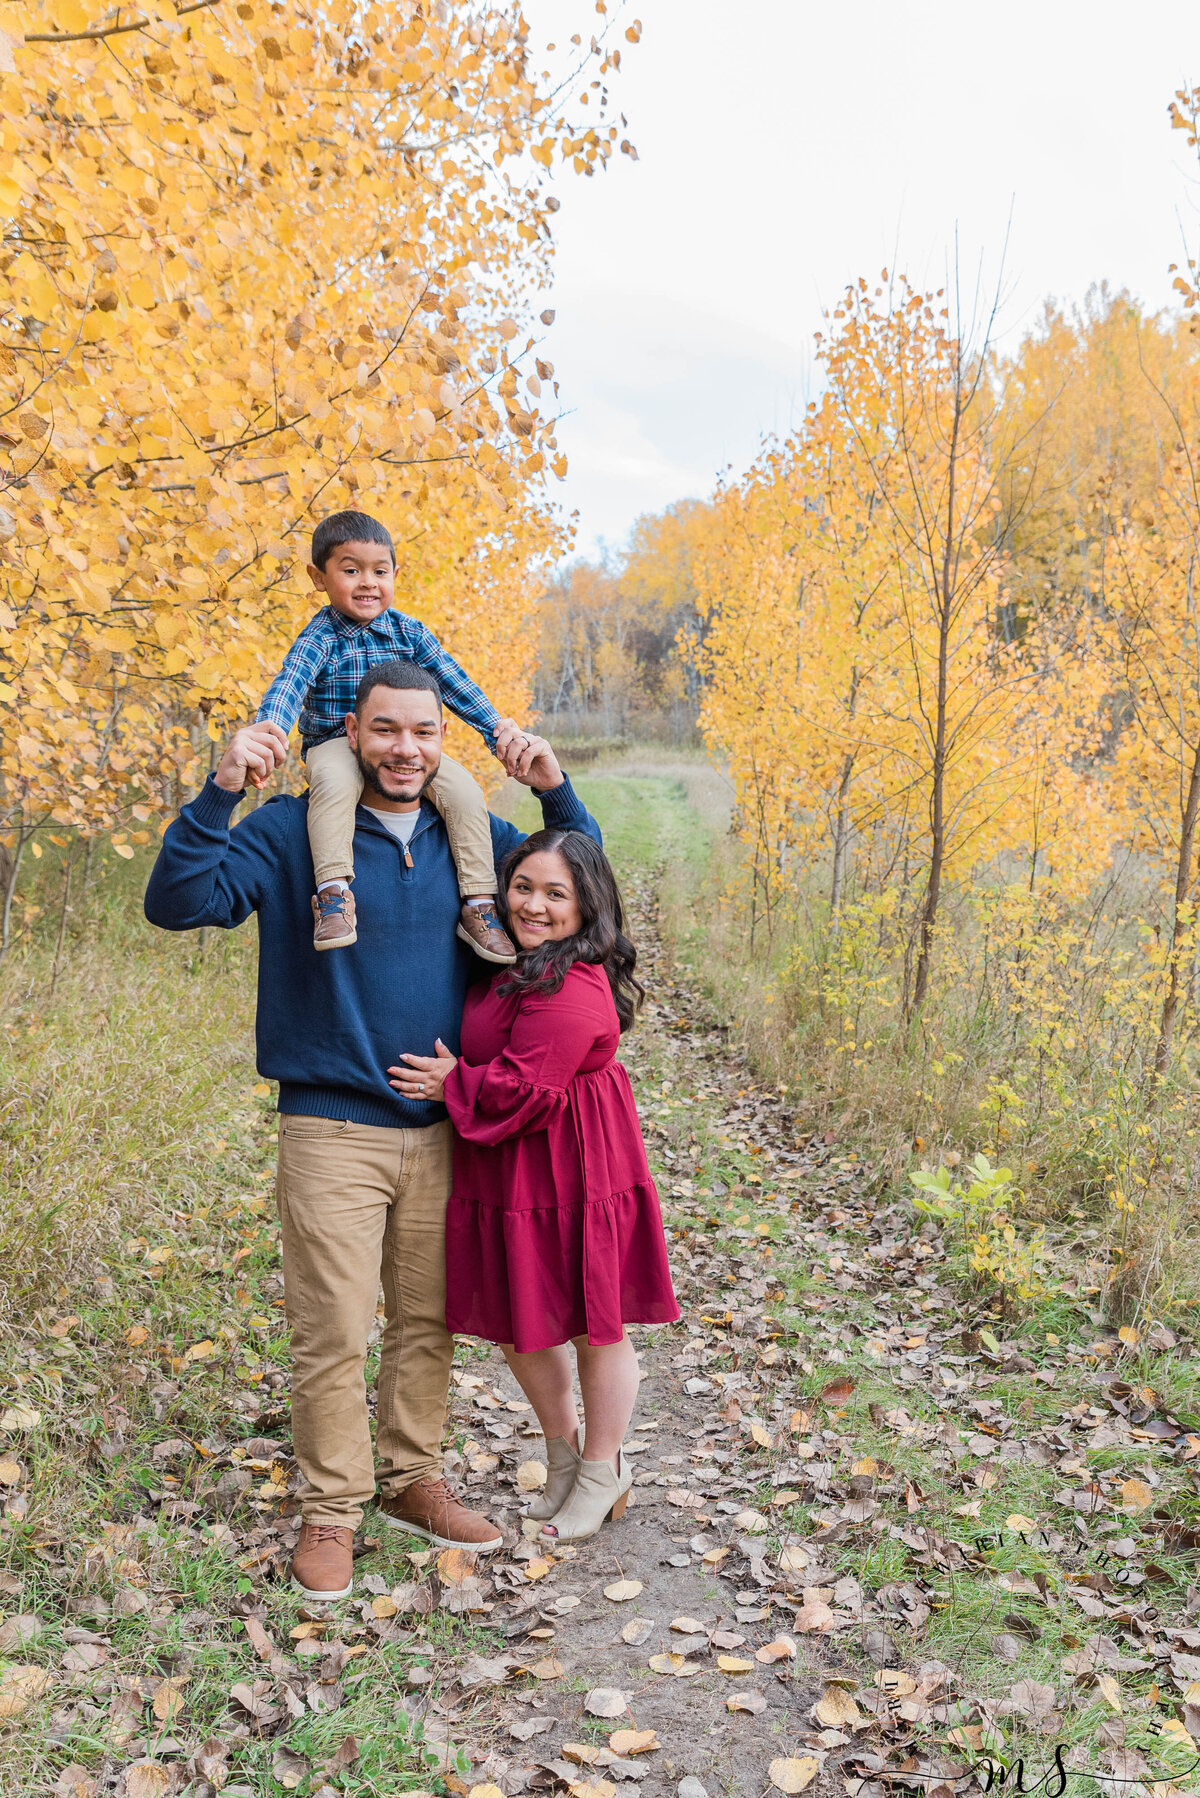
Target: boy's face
point(358, 579)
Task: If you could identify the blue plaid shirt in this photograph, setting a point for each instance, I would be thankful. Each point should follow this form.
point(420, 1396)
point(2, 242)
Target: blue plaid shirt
point(322, 669)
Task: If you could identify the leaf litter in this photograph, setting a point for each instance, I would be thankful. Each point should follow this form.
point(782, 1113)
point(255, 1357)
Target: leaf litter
point(860, 1513)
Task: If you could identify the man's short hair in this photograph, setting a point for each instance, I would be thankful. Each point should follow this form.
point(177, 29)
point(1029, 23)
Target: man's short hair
point(348, 527)
point(404, 676)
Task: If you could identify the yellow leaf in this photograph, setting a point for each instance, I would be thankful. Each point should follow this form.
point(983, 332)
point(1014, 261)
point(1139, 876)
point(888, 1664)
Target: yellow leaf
point(548, 1668)
point(793, 1775)
point(531, 1476)
point(729, 1663)
point(622, 1590)
point(1110, 1691)
point(19, 1686)
point(836, 1709)
point(1019, 1524)
point(20, 1417)
point(537, 1569)
point(1136, 1496)
point(761, 1436)
point(200, 1351)
point(625, 1742)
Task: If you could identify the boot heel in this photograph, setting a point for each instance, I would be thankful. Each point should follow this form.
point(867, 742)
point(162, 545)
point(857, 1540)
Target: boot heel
point(618, 1509)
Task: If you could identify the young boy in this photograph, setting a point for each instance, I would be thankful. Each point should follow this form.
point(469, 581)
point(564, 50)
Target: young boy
point(354, 565)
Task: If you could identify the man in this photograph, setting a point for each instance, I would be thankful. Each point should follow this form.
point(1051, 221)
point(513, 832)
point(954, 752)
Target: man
point(364, 1174)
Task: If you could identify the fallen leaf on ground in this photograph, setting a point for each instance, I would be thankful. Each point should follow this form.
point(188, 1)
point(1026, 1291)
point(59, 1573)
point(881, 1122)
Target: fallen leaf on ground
point(605, 1701)
point(753, 1702)
point(20, 1417)
point(687, 1626)
point(1030, 1699)
point(19, 1686)
point(893, 1682)
point(146, 1779)
point(1136, 1496)
point(794, 1775)
point(547, 1669)
point(537, 1568)
point(781, 1649)
point(835, 1393)
point(531, 1476)
point(729, 1663)
point(637, 1631)
point(836, 1709)
point(794, 1559)
point(457, 1564)
point(623, 1589)
point(814, 1614)
point(633, 1741)
point(676, 1664)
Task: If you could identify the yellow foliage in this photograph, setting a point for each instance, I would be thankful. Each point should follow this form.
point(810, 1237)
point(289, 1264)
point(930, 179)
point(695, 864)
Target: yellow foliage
point(256, 266)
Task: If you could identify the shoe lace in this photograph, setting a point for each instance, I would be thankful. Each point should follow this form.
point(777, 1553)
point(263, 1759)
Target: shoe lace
point(324, 1532)
point(330, 903)
point(491, 918)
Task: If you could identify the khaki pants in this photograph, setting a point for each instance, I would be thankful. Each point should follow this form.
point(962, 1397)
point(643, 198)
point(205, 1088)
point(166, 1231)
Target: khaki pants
point(334, 788)
point(360, 1203)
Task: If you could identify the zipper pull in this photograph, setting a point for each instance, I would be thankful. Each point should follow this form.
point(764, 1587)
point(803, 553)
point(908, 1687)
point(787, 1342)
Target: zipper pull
point(408, 860)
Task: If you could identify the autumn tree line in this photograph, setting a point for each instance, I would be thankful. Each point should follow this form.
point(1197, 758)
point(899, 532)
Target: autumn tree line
point(259, 262)
point(945, 637)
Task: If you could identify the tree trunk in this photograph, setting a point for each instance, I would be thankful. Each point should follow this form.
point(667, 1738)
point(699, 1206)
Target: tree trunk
point(1183, 881)
point(841, 846)
point(62, 917)
point(14, 859)
point(937, 797)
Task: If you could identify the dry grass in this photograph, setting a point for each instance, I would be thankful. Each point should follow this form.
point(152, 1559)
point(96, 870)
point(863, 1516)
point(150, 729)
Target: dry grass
point(127, 1091)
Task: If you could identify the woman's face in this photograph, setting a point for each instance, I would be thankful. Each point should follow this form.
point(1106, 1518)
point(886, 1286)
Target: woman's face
point(541, 900)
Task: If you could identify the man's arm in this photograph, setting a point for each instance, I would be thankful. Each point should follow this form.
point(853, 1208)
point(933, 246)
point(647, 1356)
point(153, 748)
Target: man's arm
point(284, 698)
point(205, 875)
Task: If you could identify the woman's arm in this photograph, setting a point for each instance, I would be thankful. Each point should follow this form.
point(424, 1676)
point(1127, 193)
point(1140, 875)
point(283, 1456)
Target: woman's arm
point(526, 1086)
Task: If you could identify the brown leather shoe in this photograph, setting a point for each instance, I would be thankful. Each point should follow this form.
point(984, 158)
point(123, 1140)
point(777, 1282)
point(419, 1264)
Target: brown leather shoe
point(333, 919)
point(429, 1509)
point(480, 926)
point(323, 1564)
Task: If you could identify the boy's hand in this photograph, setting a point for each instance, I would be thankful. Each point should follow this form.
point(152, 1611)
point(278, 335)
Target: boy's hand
point(527, 758)
point(252, 755)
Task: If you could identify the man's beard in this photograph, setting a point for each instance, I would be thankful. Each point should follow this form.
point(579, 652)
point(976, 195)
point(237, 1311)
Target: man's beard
point(373, 784)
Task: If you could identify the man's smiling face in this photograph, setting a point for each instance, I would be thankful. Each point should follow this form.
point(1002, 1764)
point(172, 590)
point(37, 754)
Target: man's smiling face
point(397, 739)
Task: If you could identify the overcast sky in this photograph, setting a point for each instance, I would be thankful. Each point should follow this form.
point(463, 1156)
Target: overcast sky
point(788, 146)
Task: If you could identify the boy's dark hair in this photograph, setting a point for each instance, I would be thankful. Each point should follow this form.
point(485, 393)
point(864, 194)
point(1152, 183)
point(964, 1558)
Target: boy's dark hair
point(403, 675)
point(601, 938)
point(348, 527)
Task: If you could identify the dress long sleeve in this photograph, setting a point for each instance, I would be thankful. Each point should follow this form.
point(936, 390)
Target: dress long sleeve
point(526, 1086)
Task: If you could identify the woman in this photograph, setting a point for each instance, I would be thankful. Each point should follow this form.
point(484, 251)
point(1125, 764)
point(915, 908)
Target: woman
point(553, 1232)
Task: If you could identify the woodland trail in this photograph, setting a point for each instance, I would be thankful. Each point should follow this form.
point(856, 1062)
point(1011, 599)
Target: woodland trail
point(876, 1535)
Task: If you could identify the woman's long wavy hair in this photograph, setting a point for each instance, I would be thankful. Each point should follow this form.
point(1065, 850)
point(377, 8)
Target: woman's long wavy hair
point(601, 938)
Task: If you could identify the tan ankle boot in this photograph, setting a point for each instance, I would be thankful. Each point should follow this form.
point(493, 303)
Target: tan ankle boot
point(562, 1469)
point(600, 1492)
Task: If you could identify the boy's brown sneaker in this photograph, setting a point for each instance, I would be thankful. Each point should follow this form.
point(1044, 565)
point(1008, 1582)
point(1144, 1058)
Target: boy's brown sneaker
point(323, 1564)
point(333, 919)
point(429, 1509)
point(480, 926)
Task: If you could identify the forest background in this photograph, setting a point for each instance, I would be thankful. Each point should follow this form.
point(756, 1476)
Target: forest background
point(942, 639)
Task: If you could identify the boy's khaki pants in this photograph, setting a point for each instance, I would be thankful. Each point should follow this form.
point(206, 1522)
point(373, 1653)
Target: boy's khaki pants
point(335, 786)
point(361, 1203)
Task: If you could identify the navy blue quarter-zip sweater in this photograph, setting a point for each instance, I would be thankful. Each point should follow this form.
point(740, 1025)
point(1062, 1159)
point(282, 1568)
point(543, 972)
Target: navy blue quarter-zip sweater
point(330, 1024)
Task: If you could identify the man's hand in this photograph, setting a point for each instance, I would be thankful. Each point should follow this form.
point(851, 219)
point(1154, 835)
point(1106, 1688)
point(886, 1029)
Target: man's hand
point(527, 758)
point(252, 754)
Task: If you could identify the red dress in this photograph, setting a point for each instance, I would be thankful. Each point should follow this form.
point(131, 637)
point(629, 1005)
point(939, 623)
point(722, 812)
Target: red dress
point(553, 1228)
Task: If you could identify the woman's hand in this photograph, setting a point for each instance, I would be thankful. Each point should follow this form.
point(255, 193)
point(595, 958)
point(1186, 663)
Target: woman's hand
point(425, 1075)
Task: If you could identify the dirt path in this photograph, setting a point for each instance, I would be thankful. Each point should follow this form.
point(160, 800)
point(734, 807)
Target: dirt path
point(877, 1535)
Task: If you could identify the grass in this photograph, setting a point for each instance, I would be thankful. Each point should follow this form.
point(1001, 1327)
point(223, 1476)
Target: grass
point(142, 1304)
